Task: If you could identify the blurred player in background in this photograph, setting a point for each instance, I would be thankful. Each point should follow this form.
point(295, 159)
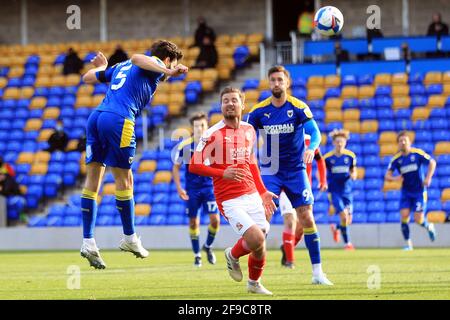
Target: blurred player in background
point(341, 171)
point(198, 194)
point(293, 231)
point(228, 149)
point(111, 139)
point(410, 163)
point(284, 120)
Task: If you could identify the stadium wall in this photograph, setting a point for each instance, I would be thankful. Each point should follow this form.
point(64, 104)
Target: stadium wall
point(131, 19)
point(177, 237)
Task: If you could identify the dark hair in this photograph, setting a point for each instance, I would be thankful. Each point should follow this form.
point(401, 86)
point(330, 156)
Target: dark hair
point(163, 49)
point(230, 90)
point(198, 116)
point(403, 133)
point(278, 69)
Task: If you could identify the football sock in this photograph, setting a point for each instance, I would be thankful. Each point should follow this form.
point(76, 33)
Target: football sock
point(255, 267)
point(195, 241)
point(89, 211)
point(405, 228)
point(211, 235)
point(240, 249)
point(125, 205)
point(312, 241)
point(288, 244)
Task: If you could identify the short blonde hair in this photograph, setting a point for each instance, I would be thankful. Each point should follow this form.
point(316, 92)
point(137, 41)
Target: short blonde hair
point(336, 133)
point(231, 90)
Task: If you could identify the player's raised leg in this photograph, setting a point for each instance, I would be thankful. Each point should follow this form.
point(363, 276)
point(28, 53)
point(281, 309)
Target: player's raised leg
point(421, 220)
point(89, 249)
point(125, 204)
point(290, 225)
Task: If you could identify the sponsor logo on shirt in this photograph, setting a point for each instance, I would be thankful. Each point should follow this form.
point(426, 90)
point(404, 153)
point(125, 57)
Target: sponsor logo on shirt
point(409, 168)
point(340, 169)
point(279, 128)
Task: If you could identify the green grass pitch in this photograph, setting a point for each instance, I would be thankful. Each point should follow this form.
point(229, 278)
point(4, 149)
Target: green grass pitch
point(420, 274)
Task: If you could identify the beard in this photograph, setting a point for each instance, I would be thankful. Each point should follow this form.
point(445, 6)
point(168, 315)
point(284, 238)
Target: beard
point(277, 94)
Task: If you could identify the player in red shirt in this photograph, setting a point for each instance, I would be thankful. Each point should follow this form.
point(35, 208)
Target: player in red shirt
point(293, 230)
point(228, 150)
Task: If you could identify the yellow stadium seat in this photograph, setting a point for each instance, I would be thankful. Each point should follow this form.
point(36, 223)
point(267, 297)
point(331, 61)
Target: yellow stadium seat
point(3, 82)
point(85, 90)
point(16, 72)
point(263, 84)
point(401, 102)
point(175, 108)
point(315, 93)
point(11, 93)
point(333, 116)
point(238, 39)
point(51, 113)
point(162, 177)
point(225, 73)
point(251, 95)
point(333, 104)
point(38, 103)
point(43, 81)
point(214, 118)
point(315, 81)
point(420, 113)
point(193, 53)
point(446, 77)
point(177, 98)
point(224, 51)
point(436, 216)
point(97, 99)
point(400, 90)
point(188, 42)
point(177, 86)
point(432, 78)
point(249, 103)
point(438, 100)
point(366, 91)
point(44, 134)
point(83, 102)
point(142, 209)
point(369, 126)
point(33, 125)
point(18, 61)
point(72, 80)
point(26, 92)
point(72, 145)
point(223, 39)
point(382, 79)
point(194, 75)
point(388, 149)
point(445, 195)
point(38, 168)
point(392, 185)
point(58, 81)
point(349, 92)
point(324, 138)
point(446, 89)
point(164, 87)
point(42, 157)
point(442, 147)
point(387, 137)
point(399, 78)
point(210, 74)
point(208, 85)
point(351, 115)
point(147, 166)
point(332, 81)
point(25, 158)
point(45, 71)
point(352, 126)
point(109, 189)
point(255, 38)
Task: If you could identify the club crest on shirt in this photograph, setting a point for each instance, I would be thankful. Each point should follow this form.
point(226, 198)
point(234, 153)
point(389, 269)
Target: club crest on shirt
point(413, 158)
point(239, 226)
point(346, 160)
point(332, 161)
point(248, 135)
point(290, 113)
point(130, 160)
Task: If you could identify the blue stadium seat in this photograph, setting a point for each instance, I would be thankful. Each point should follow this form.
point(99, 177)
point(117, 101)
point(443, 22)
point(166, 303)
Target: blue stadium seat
point(161, 188)
point(104, 221)
point(15, 206)
point(421, 125)
point(423, 136)
point(75, 200)
point(107, 209)
point(359, 217)
point(369, 138)
point(371, 173)
point(440, 135)
point(143, 198)
point(376, 217)
point(144, 187)
point(427, 65)
point(52, 183)
point(439, 123)
point(441, 170)
point(371, 161)
point(159, 209)
point(374, 195)
point(443, 159)
point(383, 91)
point(241, 55)
point(145, 177)
point(370, 149)
point(444, 182)
point(251, 83)
point(373, 184)
point(418, 101)
point(359, 195)
point(393, 205)
point(365, 79)
point(434, 205)
point(160, 198)
point(358, 184)
point(140, 220)
point(56, 210)
point(177, 209)
point(359, 206)
point(404, 114)
point(393, 195)
point(433, 194)
point(434, 89)
point(156, 219)
point(367, 114)
point(318, 48)
point(71, 221)
point(393, 217)
point(54, 221)
point(37, 221)
point(383, 102)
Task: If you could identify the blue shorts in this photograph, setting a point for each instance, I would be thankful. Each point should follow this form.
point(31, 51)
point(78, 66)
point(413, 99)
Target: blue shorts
point(110, 140)
point(295, 184)
point(202, 198)
point(341, 201)
point(414, 202)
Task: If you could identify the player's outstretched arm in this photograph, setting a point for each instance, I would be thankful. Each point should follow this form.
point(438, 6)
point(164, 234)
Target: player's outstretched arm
point(150, 64)
point(100, 63)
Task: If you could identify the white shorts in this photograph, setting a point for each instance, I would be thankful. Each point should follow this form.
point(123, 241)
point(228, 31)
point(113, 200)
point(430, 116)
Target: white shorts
point(245, 211)
point(285, 205)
